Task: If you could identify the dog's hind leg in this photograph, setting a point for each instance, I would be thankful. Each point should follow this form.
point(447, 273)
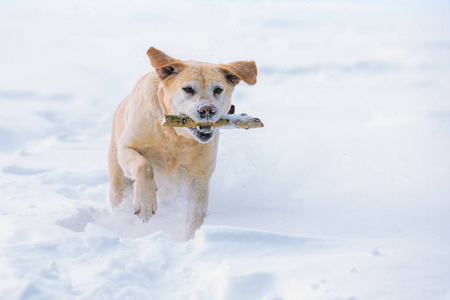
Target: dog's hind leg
point(119, 184)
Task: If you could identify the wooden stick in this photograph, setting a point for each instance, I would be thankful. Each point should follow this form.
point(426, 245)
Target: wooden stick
point(227, 122)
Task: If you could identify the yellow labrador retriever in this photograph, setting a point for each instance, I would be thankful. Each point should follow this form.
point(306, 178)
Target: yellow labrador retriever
point(143, 152)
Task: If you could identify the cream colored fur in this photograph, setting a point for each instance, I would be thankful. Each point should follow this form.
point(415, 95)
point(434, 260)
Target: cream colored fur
point(141, 149)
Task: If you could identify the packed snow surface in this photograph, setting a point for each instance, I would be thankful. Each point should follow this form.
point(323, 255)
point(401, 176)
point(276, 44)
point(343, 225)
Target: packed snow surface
point(343, 195)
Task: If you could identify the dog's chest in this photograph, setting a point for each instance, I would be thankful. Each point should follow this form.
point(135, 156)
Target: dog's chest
point(164, 158)
point(175, 159)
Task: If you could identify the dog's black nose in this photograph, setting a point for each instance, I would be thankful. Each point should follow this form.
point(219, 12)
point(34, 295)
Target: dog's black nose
point(207, 111)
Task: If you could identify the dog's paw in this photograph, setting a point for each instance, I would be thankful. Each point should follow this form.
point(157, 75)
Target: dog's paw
point(145, 209)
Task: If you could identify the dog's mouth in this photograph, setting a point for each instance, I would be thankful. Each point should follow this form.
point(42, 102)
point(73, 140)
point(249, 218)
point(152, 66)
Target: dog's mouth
point(202, 133)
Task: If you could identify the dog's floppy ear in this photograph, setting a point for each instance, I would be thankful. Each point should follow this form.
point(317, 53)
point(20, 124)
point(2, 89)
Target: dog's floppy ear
point(240, 70)
point(163, 63)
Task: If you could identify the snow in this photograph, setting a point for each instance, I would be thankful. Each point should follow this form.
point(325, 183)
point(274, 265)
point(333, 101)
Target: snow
point(235, 120)
point(342, 195)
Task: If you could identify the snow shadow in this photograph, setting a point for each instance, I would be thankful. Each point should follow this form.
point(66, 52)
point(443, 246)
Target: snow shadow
point(79, 220)
point(18, 170)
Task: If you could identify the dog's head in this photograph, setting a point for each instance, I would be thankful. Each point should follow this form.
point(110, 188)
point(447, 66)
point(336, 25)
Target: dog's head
point(199, 90)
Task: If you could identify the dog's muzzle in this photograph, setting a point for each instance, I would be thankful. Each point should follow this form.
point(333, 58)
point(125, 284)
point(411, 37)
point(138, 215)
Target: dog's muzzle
point(205, 112)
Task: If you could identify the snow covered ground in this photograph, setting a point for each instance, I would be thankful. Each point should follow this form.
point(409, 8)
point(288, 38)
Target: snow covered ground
point(343, 195)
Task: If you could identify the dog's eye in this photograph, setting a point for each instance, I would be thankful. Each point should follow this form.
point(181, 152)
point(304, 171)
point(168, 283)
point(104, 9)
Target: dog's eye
point(189, 90)
point(218, 91)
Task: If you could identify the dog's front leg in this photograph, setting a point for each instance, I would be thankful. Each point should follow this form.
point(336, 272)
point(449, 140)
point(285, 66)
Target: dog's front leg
point(197, 198)
point(136, 167)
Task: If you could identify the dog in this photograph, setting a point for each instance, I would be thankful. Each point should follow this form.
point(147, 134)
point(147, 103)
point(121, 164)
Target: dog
point(142, 152)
